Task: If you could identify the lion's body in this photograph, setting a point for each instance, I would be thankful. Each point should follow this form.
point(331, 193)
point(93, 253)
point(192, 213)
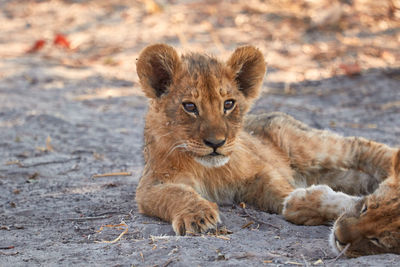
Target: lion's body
point(201, 150)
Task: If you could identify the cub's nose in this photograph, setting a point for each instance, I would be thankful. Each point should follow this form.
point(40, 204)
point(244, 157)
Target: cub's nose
point(214, 143)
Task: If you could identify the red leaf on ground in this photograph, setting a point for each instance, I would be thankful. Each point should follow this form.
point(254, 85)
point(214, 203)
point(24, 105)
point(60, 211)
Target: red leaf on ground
point(39, 44)
point(351, 69)
point(62, 41)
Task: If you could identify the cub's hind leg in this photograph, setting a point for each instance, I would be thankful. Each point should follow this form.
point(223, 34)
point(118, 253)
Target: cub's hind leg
point(272, 190)
point(315, 205)
point(311, 150)
point(321, 204)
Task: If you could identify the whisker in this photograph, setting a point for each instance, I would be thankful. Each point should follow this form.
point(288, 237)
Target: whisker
point(341, 253)
point(176, 145)
point(166, 134)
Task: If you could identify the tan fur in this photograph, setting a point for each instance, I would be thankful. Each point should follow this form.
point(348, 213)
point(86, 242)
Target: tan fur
point(263, 160)
point(373, 225)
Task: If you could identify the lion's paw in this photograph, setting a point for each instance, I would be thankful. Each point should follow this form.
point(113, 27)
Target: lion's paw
point(310, 206)
point(196, 219)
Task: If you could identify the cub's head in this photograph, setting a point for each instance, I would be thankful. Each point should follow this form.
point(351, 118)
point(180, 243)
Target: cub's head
point(197, 102)
point(373, 227)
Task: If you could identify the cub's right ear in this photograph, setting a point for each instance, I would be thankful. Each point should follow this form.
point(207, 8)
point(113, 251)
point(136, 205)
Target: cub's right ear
point(156, 66)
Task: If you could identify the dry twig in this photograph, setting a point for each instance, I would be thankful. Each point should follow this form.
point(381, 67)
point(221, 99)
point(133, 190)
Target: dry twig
point(20, 164)
point(257, 220)
point(122, 224)
point(12, 162)
point(168, 262)
point(294, 263)
point(222, 237)
point(7, 247)
point(112, 174)
point(89, 218)
point(9, 253)
point(246, 225)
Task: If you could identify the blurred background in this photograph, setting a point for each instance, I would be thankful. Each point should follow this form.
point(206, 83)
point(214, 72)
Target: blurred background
point(301, 39)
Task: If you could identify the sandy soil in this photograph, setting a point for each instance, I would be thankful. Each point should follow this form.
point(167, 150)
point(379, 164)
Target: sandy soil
point(68, 112)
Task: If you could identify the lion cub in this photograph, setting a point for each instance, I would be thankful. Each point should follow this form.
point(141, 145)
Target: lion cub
point(201, 149)
point(372, 224)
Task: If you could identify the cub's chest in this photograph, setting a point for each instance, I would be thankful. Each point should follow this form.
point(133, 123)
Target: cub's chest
point(223, 184)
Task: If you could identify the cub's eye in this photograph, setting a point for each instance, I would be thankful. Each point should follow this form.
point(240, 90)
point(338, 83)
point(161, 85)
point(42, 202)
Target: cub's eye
point(190, 107)
point(364, 209)
point(375, 241)
point(229, 104)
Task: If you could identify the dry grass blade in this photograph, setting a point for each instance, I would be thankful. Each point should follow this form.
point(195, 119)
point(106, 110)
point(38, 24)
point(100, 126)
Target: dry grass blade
point(7, 247)
point(22, 165)
point(246, 225)
point(168, 262)
point(9, 254)
point(392, 104)
point(13, 162)
point(222, 237)
point(294, 263)
point(112, 174)
point(89, 218)
point(122, 225)
point(49, 147)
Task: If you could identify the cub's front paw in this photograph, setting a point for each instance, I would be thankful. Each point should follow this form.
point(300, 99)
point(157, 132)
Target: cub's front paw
point(314, 205)
point(198, 218)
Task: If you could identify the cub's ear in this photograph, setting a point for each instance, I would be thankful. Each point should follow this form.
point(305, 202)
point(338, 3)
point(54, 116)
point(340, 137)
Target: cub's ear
point(248, 65)
point(156, 67)
point(396, 164)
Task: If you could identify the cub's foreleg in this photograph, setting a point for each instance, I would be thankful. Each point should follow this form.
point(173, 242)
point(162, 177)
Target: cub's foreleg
point(268, 189)
point(179, 204)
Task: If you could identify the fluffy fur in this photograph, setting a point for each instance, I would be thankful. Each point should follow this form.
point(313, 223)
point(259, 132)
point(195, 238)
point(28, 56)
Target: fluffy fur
point(372, 224)
point(201, 150)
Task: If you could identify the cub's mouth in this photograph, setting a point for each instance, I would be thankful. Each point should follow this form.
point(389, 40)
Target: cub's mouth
point(212, 160)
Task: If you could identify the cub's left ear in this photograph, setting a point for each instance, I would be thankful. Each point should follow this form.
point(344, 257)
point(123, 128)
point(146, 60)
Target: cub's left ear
point(249, 67)
point(396, 164)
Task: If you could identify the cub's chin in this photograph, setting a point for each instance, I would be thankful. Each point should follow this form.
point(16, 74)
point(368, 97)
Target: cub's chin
point(212, 161)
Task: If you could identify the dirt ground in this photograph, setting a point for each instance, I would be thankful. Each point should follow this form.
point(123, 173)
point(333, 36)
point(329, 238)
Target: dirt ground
point(71, 108)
